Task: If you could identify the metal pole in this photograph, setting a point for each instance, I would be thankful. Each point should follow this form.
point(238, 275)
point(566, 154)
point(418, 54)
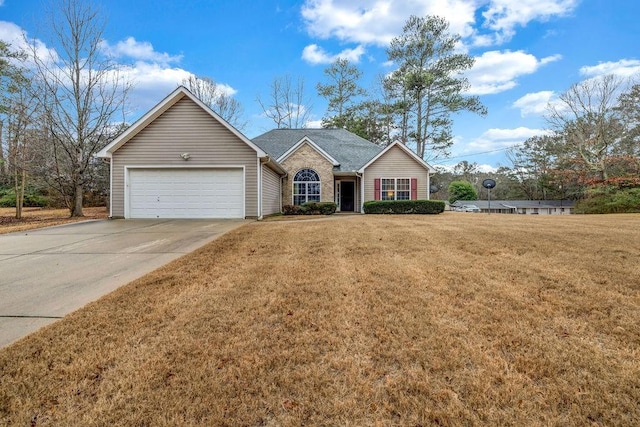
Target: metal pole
point(489, 192)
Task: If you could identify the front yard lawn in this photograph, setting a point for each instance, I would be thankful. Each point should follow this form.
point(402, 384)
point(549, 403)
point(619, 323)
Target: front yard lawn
point(361, 320)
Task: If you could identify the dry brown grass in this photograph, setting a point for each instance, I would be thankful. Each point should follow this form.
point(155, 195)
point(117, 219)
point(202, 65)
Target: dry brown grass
point(39, 217)
point(455, 319)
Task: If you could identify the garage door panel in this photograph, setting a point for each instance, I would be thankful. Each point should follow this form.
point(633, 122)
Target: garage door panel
point(186, 193)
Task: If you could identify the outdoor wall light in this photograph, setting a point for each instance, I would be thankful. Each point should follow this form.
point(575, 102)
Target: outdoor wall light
point(185, 156)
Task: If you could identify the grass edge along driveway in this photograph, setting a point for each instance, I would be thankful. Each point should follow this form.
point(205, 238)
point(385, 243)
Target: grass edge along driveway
point(373, 320)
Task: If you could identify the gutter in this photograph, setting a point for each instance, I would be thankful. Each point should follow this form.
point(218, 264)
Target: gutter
point(269, 160)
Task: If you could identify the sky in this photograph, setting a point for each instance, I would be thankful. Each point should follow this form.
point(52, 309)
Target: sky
point(527, 52)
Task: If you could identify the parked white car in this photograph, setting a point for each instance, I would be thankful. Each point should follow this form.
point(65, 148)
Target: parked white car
point(470, 208)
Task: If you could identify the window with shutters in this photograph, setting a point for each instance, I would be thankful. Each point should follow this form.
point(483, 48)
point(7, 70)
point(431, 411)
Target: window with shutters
point(395, 189)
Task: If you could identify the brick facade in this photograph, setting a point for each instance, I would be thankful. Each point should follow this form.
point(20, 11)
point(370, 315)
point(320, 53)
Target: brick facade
point(307, 157)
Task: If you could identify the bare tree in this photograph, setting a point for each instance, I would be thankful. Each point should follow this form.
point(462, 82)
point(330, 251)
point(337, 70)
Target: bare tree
point(81, 92)
point(209, 92)
point(287, 104)
point(586, 118)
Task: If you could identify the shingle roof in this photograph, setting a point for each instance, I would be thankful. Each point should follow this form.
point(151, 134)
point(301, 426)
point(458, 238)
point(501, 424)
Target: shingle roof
point(351, 151)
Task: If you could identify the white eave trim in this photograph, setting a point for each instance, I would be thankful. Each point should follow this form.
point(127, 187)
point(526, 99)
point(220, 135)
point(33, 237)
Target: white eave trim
point(160, 108)
point(413, 155)
point(307, 140)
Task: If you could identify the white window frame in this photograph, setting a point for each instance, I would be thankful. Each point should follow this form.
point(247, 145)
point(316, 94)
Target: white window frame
point(395, 188)
point(293, 186)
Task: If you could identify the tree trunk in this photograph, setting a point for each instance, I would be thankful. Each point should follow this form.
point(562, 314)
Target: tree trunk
point(77, 202)
point(19, 181)
point(3, 165)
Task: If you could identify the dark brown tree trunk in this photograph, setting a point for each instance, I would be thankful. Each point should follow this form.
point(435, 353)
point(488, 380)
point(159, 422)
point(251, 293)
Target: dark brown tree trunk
point(77, 201)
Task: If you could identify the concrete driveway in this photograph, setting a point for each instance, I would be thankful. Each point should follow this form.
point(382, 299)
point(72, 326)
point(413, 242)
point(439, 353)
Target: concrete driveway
point(48, 273)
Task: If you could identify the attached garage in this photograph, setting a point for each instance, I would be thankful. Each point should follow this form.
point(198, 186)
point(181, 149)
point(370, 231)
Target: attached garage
point(185, 193)
point(182, 160)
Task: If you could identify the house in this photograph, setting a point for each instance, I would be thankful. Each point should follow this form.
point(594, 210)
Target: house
point(529, 207)
point(182, 160)
point(334, 165)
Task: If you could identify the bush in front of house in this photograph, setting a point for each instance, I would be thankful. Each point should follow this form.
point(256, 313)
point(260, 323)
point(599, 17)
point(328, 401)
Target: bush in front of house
point(404, 207)
point(310, 208)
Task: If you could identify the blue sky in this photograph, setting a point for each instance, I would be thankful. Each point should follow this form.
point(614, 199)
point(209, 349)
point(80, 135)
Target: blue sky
point(527, 51)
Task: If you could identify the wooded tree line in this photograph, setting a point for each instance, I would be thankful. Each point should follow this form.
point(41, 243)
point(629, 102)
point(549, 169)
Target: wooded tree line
point(591, 148)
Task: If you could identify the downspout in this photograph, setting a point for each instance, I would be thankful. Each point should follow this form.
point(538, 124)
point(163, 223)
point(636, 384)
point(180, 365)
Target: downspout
point(361, 192)
point(259, 188)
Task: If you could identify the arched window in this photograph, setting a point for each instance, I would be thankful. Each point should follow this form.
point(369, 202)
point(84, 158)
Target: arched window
point(306, 187)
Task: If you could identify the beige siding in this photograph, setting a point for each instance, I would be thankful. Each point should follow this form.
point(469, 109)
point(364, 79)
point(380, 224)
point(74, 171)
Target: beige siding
point(307, 157)
point(185, 128)
point(395, 163)
point(270, 191)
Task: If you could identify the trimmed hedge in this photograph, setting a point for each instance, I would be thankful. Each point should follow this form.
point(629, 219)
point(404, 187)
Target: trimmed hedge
point(404, 207)
point(310, 208)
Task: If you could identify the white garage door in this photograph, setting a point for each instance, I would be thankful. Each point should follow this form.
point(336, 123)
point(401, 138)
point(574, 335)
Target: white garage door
point(186, 193)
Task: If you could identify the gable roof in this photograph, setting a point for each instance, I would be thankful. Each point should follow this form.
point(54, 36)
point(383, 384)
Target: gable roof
point(169, 101)
point(413, 155)
point(349, 150)
point(313, 145)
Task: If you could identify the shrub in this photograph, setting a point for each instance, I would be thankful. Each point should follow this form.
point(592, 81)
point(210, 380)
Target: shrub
point(32, 199)
point(404, 207)
point(310, 208)
point(291, 210)
point(610, 200)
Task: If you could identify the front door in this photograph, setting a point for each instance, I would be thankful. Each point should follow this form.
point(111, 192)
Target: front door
point(347, 196)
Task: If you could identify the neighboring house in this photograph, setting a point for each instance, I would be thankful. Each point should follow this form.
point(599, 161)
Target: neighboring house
point(182, 160)
point(529, 207)
point(334, 165)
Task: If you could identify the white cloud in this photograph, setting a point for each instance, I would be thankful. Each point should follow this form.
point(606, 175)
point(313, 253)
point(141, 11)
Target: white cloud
point(621, 68)
point(138, 51)
point(378, 21)
point(499, 139)
point(149, 71)
point(495, 71)
point(534, 103)
point(314, 124)
point(18, 39)
point(314, 54)
point(485, 168)
point(503, 16)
